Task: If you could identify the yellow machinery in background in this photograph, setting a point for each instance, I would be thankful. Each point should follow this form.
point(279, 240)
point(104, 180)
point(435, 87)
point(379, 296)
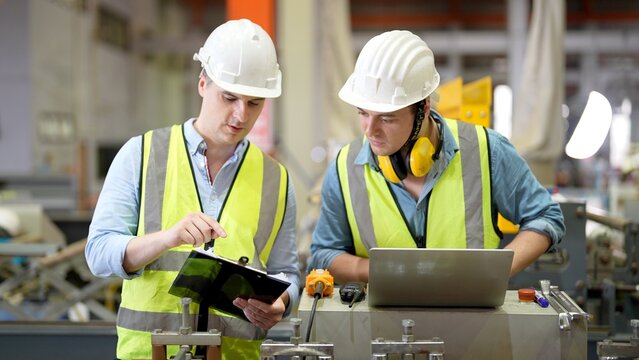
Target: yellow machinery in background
point(471, 103)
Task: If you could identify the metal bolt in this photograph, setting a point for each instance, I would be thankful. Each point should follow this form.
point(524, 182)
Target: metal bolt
point(185, 329)
point(634, 324)
point(408, 326)
point(408, 330)
point(185, 349)
point(297, 322)
point(296, 338)
point(545, 286)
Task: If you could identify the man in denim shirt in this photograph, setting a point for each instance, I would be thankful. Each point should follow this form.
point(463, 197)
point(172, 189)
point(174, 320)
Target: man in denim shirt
point(419, 180)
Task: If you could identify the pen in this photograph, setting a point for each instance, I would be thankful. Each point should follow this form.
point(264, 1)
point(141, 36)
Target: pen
point(540, 299)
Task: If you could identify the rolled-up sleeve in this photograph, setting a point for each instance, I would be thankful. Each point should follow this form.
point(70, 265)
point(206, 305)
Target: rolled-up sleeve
point(519, 196)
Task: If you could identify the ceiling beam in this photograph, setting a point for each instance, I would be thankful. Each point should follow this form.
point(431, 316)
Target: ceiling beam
point(496, 42)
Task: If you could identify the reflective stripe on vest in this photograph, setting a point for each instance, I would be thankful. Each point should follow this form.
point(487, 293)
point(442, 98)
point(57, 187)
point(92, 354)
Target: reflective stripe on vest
point(229, 326)
point(377, 221)
point(168, 193)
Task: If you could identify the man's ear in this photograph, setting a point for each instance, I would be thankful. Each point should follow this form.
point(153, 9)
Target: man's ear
point(427, 107)
point(201, 85)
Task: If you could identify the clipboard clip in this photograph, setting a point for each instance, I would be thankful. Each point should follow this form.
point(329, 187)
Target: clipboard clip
point(243, 260)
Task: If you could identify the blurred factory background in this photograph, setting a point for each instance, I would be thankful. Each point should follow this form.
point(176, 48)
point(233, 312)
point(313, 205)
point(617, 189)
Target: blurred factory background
point(78, 78)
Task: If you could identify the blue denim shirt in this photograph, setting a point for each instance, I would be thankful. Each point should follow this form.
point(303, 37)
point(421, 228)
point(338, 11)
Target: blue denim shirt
point(516, 194)
point(115, 220)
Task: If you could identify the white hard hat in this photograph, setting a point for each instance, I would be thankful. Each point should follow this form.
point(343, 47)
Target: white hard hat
point(394, 70)
point(9, 223)
point(239, 56)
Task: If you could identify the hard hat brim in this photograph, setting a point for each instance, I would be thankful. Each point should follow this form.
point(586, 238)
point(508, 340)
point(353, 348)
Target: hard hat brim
point(249, 90)
point(348, 96)
point(245, 90)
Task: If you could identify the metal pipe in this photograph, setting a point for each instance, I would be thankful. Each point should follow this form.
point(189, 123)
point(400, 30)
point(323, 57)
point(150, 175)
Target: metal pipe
point(616, 223)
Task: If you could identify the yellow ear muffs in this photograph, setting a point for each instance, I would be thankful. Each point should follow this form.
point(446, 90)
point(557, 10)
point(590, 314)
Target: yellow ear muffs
point(421, 157)
point(418, 162)
point(392, 169)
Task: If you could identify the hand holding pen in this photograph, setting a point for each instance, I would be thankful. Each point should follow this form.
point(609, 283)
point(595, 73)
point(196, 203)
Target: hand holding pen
point(195, 229)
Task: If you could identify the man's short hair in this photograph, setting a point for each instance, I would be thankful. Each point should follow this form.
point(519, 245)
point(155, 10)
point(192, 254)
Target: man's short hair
point(207, 79)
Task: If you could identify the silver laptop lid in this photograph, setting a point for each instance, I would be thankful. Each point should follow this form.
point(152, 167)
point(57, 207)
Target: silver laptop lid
point(438, 277)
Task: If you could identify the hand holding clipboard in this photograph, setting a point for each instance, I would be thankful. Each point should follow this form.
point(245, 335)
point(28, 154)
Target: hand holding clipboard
point(206, 277)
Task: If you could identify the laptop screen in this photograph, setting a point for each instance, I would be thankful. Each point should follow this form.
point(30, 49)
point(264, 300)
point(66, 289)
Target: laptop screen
point(438, 277)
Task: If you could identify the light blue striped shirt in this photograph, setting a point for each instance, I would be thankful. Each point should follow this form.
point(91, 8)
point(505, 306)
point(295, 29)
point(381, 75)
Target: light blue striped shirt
point(516, 194)
point(115, 220)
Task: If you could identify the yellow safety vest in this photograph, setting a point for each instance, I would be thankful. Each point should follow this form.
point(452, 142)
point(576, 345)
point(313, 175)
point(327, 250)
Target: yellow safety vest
point(251, 215)
point(460, 211)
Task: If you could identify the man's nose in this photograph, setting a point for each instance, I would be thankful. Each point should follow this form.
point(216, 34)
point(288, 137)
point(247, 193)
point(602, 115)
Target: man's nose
point(370, 126)
point(241, 111)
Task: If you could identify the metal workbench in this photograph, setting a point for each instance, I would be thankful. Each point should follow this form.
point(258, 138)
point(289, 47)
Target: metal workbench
point(513, 331)
point(95, 340)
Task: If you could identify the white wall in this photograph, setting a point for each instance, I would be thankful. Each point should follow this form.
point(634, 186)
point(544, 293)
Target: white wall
point(53, 42)
point(15, 89)
point(63, 89)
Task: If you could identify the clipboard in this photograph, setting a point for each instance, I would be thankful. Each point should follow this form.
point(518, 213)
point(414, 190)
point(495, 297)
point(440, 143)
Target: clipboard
point(206, 277)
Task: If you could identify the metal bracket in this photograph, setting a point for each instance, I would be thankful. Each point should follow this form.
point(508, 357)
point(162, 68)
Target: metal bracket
point(568, 310)
point(408, 347)
point(294, 349)
point(186, 338)
point(609, 349)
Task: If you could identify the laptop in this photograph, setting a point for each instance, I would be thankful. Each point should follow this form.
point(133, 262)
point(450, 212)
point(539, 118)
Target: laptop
point(438, 277)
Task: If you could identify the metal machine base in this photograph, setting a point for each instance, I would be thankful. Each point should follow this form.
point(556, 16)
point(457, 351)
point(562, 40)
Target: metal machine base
point(513, 331)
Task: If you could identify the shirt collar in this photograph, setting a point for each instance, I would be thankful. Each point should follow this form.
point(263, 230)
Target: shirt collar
point(195, 143)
